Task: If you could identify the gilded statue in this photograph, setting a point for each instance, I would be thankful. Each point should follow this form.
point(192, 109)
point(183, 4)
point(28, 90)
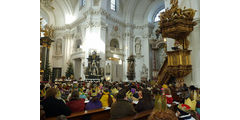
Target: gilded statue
point(177, 23)
point(174, 2)
point(189, 13)
point(49, 31)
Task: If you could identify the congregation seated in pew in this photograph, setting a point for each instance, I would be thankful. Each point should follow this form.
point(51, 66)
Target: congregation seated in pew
point(52, 106)
point(76, 104)
point(122, 107)
point(94, 103)
point(146, 102)
point(123, 99)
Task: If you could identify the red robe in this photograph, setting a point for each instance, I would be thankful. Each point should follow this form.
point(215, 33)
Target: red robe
point(169, 99)
point(76, 105)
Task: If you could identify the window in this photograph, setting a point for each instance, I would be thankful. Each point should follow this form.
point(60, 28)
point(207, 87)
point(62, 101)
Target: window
point(44, 22)
point(156, 18)
point(113, 5)
point(83, 2)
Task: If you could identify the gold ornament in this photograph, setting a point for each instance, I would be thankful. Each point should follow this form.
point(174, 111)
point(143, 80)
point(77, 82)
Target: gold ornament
point(177, 23)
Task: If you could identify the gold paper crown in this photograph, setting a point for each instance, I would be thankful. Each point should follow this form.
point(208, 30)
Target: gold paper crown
point(164, 86)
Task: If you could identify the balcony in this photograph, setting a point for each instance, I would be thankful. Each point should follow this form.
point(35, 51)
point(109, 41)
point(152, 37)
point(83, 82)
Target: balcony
point(116, 51)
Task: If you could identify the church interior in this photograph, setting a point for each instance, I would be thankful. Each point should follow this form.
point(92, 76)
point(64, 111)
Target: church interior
point(120, 59)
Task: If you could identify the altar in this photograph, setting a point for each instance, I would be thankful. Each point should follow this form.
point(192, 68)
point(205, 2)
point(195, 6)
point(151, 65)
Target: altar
point(93, 72)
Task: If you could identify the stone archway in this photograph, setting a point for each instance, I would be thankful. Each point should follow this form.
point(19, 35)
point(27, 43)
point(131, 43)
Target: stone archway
point(114, 43)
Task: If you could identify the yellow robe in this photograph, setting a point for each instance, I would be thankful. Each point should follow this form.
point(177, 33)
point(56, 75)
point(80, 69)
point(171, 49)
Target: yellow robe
point(104, 99)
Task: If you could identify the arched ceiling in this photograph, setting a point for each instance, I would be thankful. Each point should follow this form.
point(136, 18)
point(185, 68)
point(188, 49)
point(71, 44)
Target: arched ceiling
point(62, 9)
point(140, 11)
point(134, 11)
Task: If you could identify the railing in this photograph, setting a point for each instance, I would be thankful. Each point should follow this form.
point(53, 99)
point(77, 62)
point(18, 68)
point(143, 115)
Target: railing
point(163, 75)
point(116, 50)
point(177, 64)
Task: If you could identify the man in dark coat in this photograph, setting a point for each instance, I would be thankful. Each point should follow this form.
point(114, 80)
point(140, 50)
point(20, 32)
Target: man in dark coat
point(145, 103)
point(54, 107)
point(121, 108)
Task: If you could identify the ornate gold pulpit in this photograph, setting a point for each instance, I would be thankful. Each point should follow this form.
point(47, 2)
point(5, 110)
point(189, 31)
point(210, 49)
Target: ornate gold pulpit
point(179, 64)
point(178, 23)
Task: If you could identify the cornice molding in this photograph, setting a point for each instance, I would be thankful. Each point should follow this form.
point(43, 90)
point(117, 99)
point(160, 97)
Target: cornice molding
point(103, 12)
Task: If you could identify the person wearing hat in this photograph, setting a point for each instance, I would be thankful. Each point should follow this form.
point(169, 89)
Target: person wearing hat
point(183, 112)
point(191, 100)
point(94, 103)
point(167, 92)
point(114, 90)
point(106, 99)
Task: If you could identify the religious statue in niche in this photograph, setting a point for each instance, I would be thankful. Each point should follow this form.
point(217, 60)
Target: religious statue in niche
point(138, 47)
point(108, 69)
point(144, 73)
point(131, 68)
point(93, 70)
point(58, 47)
point(115, 33)
point(102, 71)
point(115, 28)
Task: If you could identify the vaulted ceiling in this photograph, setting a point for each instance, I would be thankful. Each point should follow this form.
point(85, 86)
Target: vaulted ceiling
point(133, 11)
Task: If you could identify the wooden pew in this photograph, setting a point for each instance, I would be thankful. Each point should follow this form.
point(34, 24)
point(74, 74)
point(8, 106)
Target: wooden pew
point(139, 116)
point(97, 114)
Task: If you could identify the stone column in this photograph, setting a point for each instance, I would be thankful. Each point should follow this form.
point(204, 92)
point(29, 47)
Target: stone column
point(128, 36)
point(146, 51)
point(103, 36)
point(68, 43)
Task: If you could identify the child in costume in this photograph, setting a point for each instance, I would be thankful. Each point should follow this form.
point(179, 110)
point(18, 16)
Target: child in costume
point(167, 93)
point(183, 112)
point(94, 103)
point(191, 101)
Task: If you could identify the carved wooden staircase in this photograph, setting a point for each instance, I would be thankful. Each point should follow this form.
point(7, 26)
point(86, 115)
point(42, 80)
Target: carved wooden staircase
point(177, 64)
point(163, 75)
